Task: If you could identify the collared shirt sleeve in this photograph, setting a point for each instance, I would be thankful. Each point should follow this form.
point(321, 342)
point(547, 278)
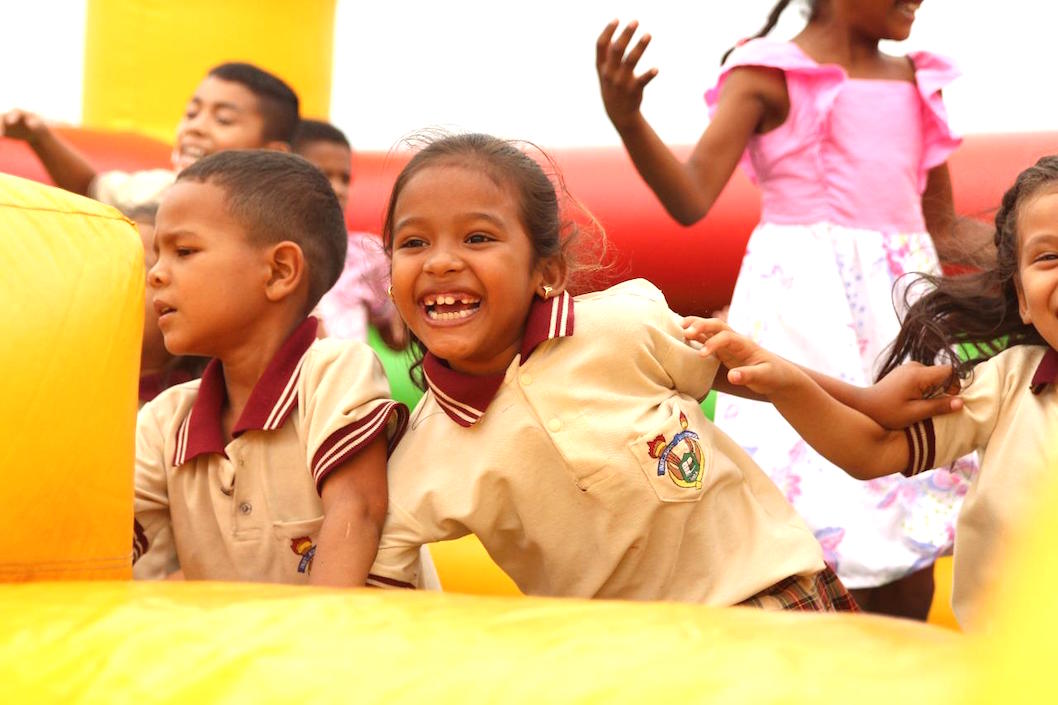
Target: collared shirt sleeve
point(128, 190)
point(154, 551)
point(345, 404)
point(399, 562)
point(691, 372)
point(941, 440)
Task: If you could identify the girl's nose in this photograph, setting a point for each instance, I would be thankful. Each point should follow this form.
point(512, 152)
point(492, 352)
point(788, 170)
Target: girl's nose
point(442, 260)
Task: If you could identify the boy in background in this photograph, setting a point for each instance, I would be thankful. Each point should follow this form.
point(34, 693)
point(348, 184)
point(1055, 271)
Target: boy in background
point(359, 298)
point(237, 106)
point(272, 467)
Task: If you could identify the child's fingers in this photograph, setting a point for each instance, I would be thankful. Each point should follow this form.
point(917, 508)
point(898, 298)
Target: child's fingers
point(934, 379)
point(704, 326)
point(726, 345)
point(646, 78)
point(637, 51)
point(602, 44)
point(928, 408)
point(747, 376)
point(618, 47)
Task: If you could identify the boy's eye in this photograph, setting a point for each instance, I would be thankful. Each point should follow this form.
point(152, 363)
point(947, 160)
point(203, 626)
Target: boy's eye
point(183, 251)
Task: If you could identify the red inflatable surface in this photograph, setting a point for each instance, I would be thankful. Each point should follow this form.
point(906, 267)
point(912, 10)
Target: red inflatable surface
point(695, 267)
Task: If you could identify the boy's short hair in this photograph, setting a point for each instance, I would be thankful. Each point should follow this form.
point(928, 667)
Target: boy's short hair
point(276, 101)
point(278, 196)
point(309, 131)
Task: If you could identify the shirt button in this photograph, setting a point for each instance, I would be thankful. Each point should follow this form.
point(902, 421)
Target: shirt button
point(527, 379)
point(245, 507)
point(555, 425)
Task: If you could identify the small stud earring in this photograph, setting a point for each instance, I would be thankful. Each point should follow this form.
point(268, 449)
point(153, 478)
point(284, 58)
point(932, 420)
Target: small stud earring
point(547, 292)
point(390, 291)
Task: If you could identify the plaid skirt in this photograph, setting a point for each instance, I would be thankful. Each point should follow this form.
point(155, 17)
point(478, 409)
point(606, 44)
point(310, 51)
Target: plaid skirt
point(822, 592)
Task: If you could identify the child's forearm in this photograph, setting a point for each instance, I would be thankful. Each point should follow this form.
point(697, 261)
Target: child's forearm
point(64, 164)
point(847, 394)
point(844, 436)
point(346, 547)
point(669, 179)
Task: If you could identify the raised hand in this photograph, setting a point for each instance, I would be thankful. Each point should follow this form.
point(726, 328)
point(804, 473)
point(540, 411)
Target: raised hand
point(21, 125)
point(622, 90)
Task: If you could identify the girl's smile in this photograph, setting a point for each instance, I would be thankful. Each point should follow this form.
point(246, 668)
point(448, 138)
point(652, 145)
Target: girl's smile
point(1038, 265)
point(464, 274)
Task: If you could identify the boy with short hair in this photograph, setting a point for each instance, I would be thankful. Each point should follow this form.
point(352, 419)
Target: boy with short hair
point(272, 467)
point(359, 298)
point(237, 106)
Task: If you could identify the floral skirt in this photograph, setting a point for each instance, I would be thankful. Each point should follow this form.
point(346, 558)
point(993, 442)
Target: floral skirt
point(826, 297)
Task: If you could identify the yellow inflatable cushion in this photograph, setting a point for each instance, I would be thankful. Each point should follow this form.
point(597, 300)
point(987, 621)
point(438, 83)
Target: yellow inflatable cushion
point(71, 307)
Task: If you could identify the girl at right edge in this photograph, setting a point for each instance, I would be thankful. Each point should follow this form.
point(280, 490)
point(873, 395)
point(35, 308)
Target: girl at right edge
point(848, 146)
point(1010, 412)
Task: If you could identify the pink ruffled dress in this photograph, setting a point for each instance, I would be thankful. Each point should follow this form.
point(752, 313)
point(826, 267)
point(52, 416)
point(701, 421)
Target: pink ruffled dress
point(841, 185)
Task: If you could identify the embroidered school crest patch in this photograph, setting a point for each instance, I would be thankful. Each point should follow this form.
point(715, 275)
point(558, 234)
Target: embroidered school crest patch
point(304, 547)
point(681, 457)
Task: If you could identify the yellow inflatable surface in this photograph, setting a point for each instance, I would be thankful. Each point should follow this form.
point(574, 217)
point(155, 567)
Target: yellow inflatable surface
point(72, 311)
point(196, 643)
point(71, 307)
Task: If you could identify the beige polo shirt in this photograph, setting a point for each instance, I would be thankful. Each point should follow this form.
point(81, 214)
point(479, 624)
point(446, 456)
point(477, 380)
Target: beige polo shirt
point(1011, 418)
point(250, 509)
point(588, 469)
point(127, 190)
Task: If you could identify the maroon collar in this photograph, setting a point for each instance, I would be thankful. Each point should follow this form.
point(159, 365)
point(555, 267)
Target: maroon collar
point(271, 401)
point(466, 397)
point(1046, 372)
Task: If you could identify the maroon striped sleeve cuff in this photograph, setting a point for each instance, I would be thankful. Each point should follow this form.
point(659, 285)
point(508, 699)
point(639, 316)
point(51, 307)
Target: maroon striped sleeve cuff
point(383, 582)
point(921, 447)
point(348, 440)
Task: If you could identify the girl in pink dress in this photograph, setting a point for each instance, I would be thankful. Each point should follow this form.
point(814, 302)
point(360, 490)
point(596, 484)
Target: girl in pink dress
point(848, 146)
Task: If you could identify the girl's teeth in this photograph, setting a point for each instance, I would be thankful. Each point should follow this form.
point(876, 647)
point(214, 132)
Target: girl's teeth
point(450, 316)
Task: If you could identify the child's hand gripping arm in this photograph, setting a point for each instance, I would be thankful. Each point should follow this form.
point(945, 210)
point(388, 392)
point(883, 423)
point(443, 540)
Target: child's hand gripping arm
point(846, 437)
point(64, 164)
point(354, 499)
point(686, 190)
point(911, 393)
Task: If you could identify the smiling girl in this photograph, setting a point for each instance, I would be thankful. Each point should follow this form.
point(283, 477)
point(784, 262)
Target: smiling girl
point(1011, 403)
point(566, 432)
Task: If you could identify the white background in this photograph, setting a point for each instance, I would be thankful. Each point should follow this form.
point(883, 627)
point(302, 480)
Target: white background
point(526, 69)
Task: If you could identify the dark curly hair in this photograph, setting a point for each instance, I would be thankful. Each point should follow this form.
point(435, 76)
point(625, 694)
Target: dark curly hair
point(979, 309)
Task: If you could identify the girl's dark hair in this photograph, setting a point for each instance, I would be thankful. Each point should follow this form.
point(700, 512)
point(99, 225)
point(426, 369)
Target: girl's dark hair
point(980, 309)
point(551, 232)
point(773, 19)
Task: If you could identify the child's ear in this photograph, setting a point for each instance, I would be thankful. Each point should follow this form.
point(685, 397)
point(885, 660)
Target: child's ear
point(552, 273)
point(1023, 309)
point(287, 270)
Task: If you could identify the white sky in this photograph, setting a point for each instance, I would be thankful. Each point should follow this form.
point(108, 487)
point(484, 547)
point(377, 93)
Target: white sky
point(526, 70)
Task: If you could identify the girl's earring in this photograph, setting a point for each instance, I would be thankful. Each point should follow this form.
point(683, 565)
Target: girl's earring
point(390, 292)
point(547, 292)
